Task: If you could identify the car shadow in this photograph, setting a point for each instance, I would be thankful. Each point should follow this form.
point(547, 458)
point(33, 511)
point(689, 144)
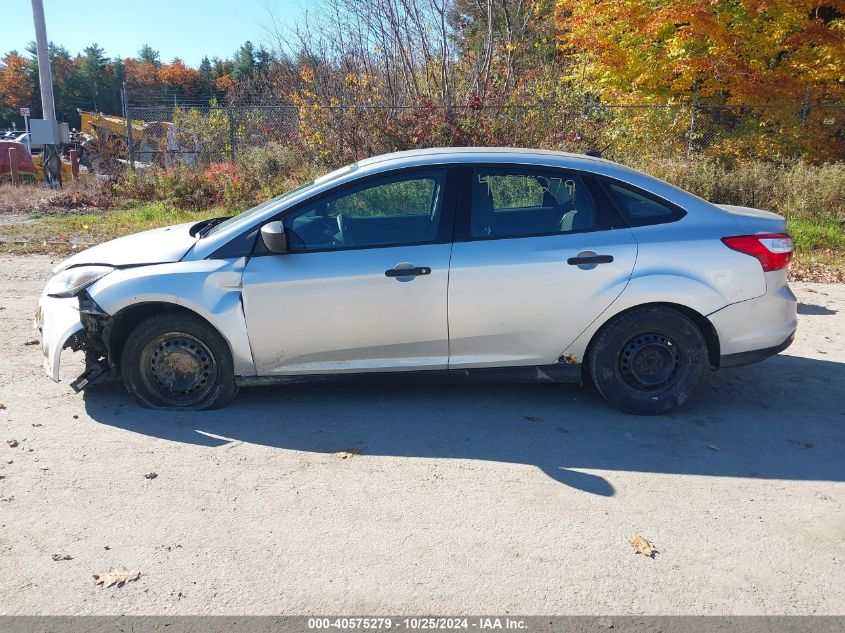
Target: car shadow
point(780, 419)
point(812, 309)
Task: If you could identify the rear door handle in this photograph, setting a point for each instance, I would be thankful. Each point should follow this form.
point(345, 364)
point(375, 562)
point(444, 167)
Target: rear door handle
point(587, 260)
point(408, 272)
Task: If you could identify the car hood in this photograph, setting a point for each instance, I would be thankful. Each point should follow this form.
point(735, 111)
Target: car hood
point(157, 246)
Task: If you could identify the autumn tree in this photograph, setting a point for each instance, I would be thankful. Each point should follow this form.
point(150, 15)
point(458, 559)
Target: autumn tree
point(733, 51)
point(68, 85)
point(179, 79)
point(15, 83)
point(141, 76)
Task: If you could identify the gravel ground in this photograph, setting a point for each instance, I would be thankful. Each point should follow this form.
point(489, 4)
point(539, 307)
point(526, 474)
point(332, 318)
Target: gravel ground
point(501, 498)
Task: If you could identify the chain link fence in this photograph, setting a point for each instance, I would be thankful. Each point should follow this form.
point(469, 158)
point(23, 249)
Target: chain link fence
point(199, 134)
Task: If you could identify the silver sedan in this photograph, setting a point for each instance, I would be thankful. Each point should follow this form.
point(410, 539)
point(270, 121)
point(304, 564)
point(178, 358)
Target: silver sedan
point(526, 263)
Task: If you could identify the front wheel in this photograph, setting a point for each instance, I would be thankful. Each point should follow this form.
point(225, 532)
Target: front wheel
point(176, 361)
point(648, 361)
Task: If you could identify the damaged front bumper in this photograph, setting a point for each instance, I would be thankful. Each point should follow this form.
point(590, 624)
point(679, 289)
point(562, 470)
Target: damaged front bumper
point(75, 323)
point(58, 320)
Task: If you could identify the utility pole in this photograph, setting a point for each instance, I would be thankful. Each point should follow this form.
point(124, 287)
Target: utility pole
point(50, 159)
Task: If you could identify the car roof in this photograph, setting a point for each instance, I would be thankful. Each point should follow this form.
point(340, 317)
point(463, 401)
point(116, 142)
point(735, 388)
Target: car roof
point(512, 155)
point(481, 154)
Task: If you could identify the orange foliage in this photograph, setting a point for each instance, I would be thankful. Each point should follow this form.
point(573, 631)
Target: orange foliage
point(15, 85)
point(740, 51)
point(140, 74)
point(224, 82)
point(178, 75)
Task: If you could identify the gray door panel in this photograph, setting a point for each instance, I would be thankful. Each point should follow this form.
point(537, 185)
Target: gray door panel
point(518, 301)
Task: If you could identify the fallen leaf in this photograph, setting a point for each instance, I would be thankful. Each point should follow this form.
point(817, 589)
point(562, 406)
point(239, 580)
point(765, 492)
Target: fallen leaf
point(713, 447)
point(37, 424)
point(2, 405)
point(31, 341)
point(605, 623)
point(532, 418)
point(12, 443)
point(642, 545)
point(117, 577)
point(43, 468)
point(347, 454)
point(809, 445)
point(150, 475)
point(58, 557)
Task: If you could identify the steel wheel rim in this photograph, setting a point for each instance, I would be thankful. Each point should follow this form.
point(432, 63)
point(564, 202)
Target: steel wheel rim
point(649, 361)
point(179, 368)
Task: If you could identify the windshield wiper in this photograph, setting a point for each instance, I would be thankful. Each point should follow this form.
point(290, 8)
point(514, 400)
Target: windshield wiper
point(204, 228)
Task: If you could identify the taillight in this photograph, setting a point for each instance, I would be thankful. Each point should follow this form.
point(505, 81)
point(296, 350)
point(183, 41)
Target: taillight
point(773, 250)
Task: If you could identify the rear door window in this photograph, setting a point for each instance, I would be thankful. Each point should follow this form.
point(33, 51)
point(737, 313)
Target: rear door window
point(519, 202)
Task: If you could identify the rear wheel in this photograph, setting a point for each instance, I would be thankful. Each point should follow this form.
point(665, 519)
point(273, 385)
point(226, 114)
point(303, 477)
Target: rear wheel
point(176, 361)
point(648, 360)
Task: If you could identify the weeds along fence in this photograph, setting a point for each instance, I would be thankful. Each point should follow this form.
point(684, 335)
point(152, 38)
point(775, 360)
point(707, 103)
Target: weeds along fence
point(199, 134)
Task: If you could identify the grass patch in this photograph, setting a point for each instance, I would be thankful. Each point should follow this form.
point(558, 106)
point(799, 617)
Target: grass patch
point(812, 236)
point(149, 215)
point(818, 241)
point(64, 232)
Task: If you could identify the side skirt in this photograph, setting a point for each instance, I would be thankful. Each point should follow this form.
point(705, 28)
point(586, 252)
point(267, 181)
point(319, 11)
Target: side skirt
point(558, 373)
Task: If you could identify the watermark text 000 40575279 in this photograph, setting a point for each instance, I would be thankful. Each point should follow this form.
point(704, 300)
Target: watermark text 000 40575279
point(526, 624)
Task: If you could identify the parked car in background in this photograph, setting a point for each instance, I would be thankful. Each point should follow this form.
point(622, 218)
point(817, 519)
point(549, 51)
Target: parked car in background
point(563, 266)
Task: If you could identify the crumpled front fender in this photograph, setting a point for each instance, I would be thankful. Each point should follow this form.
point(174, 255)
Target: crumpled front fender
point(58, 320)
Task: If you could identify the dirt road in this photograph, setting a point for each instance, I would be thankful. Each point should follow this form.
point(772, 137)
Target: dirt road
point(463, 499)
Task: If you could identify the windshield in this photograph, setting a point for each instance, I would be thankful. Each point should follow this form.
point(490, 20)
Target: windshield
point(257, 209)
point(236, 219)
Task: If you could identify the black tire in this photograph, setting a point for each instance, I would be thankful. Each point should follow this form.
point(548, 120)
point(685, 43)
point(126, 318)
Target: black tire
point(176, 361)
point(648, 361)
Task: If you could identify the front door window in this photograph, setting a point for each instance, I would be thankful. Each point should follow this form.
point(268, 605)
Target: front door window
point(390, 211)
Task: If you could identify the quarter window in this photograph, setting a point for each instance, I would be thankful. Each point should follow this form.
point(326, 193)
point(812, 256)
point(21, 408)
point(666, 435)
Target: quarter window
point(519, 202)
point(640, 209)
point(395, 210)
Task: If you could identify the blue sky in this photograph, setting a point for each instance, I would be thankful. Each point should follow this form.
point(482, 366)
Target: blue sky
point(187, 29)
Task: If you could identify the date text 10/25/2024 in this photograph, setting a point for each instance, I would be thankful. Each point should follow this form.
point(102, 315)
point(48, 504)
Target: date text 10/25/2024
point(417, 623)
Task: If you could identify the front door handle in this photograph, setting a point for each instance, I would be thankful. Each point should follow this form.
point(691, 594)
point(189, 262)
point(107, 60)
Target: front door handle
point(405, 270)
point(584, 259)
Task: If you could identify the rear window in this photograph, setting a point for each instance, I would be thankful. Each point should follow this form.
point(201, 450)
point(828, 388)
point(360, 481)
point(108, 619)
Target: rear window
point(641, 209)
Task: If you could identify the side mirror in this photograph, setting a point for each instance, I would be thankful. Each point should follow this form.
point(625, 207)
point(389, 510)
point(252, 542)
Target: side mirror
point(274, 237)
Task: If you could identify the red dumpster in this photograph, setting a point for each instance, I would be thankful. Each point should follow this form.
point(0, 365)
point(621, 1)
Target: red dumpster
point(25, 165)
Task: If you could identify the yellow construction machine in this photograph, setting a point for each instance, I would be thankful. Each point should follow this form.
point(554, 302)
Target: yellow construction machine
point(103, 141)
